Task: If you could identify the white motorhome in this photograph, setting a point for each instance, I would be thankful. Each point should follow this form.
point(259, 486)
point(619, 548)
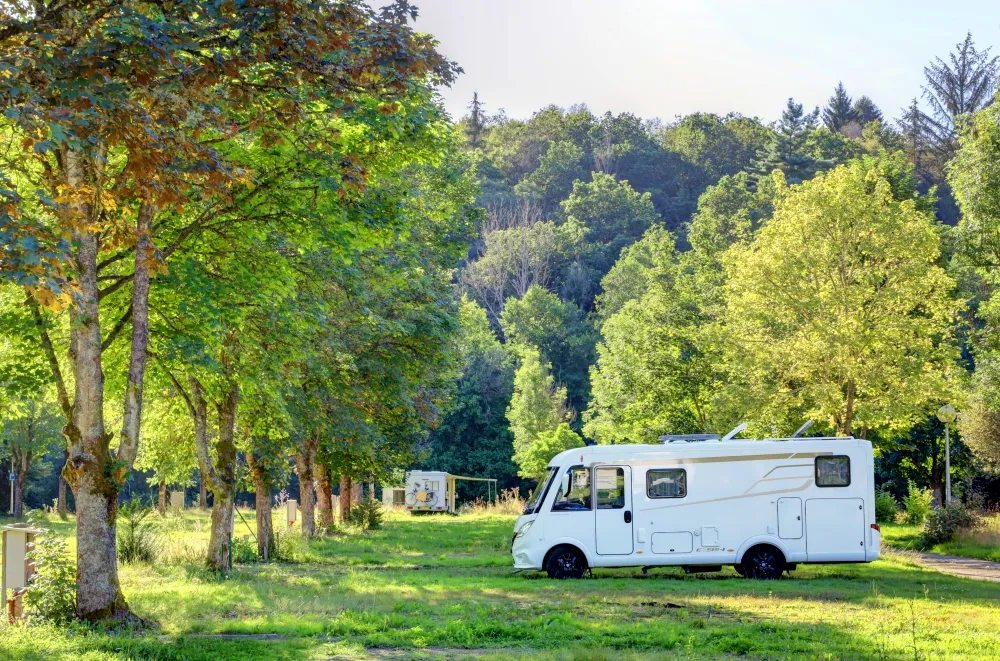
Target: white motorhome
point(701, 502)
point(434, 491)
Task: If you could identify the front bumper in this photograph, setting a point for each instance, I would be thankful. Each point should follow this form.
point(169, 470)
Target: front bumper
point(526, 555)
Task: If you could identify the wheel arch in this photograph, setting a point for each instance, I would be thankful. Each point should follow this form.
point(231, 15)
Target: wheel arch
point(761, 540)
point(572, 544)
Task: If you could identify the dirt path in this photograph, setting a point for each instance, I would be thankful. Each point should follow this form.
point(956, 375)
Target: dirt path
point(958, 566)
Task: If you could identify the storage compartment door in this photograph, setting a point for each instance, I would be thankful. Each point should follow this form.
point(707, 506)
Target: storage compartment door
point(614, 509)
point(790, 518)
point(835, 529)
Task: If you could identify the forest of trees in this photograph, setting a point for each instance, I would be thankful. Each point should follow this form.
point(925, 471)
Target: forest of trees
point(231, 261)
point(635, 277)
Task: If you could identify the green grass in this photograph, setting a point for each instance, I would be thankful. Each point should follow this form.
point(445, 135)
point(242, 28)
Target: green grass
point(982, 543)
point(442, 587)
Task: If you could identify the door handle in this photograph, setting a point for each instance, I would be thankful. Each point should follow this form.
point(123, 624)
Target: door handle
point(628, 516)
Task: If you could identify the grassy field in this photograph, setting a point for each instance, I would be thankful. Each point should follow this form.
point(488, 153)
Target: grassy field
point(442, 587)
point(982, 543)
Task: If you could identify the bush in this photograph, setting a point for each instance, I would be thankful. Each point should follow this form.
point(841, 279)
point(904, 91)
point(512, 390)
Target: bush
point(244, 550)
point(281, 549)
point(918, 504)
point(367, 514)
point(51, 591)
point(886, 506)
point(136, 538)
point(942, 524)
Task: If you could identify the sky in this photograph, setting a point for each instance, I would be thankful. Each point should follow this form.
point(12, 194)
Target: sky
point(664, 58)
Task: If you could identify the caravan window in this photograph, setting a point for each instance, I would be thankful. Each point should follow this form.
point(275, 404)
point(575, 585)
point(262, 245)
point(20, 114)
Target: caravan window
point(833, 471)
point(610, 488)
point(666, 483)
point(578, 497)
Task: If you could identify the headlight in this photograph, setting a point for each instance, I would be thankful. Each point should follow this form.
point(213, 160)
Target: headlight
point(523, 530)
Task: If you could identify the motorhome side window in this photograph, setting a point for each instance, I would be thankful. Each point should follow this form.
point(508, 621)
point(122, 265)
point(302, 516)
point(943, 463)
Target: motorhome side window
point(833, 471)
point(666, 483)
point(610, 488)
point(578, 498)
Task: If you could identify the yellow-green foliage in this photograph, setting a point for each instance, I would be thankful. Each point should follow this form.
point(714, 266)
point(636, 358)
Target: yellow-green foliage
point(839, 306)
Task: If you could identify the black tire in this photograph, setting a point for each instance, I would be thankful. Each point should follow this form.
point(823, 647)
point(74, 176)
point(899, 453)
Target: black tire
point(739, 569)
point(764, 563)
point(566, 562)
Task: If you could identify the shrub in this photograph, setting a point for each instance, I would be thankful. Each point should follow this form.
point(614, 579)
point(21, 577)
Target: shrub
point(367, 514)
point(918, 504)
point(508, 501)
point(136, 537)
point(51, 591)
point(886, 506)
point(281, 549)
point(942, 524)
point(244, 550)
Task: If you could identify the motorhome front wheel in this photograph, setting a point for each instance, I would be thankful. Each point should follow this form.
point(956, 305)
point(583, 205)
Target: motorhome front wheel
point(566, 562)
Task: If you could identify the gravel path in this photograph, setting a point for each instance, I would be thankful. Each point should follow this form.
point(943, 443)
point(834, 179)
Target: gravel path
point(958, 566)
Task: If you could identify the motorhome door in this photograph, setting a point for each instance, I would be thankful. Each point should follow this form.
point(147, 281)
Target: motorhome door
point(614, 509)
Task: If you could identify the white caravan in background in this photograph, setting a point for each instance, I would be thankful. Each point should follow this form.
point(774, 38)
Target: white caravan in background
point(702, 502)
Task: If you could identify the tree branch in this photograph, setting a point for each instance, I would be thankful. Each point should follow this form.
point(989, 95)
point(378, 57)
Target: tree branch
point(50, 354)
point(117, 328)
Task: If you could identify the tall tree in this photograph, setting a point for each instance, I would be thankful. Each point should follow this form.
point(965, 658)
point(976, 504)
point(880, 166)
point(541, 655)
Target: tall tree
point(476, 123)
point(866, 111)
point(558, 330)
point(839, 110)
point(116, 126)
point(840, 304)
point(537, 406)
point(964, 84)
point(787, 150)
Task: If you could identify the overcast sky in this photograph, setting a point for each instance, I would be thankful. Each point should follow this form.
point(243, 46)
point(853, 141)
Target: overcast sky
point(663, 58)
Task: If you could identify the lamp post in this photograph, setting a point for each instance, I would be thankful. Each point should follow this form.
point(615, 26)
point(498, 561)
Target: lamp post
point(947, 415)
point(11, 478)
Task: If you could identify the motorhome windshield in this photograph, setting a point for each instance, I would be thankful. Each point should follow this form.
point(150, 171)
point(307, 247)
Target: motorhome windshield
point(538, 495)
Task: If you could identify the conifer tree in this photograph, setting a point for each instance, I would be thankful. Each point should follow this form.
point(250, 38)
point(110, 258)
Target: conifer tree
point(964, 84)
point(477, 121)
point(839, 110)
point(787, 149)
point(866, 111)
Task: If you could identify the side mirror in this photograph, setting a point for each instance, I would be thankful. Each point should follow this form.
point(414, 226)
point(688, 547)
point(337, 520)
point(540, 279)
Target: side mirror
point(564, 485)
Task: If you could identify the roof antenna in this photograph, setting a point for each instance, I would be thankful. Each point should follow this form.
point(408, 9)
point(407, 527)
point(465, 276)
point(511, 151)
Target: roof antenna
point(740, 427)
point(803, 429)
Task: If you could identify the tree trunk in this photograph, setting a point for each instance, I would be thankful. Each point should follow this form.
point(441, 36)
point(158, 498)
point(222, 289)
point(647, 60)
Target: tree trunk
point(345, 498)
point(202, 492)
point(324, 496)
point(224, 483)
point(371, 489)
point(19, 495)
point(849, 412)
point(262, 498)
point(129, 446)
point(304, 468)
point(61, 507)
point(95, 478)
point(357, 492)
point(161, 506)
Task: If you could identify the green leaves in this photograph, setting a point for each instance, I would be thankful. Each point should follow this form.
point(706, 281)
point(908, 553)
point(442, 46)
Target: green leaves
point(839, 303)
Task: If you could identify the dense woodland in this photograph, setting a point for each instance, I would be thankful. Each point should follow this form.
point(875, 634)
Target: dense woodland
point(244, 251)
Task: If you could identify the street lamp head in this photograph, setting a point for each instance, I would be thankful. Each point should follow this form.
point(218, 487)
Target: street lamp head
point(947, 414)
